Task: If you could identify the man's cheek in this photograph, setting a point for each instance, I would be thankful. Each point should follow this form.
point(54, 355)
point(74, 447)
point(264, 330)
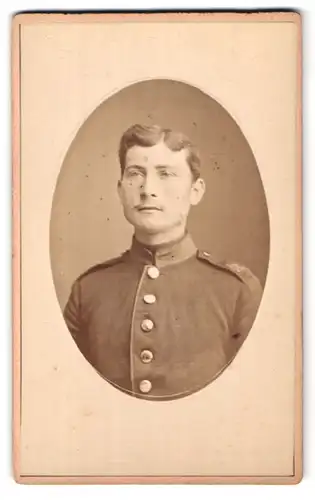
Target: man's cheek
point(129, 196)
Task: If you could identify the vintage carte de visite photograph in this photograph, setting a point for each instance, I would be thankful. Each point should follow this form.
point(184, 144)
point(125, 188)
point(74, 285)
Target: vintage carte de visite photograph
point(157, 236)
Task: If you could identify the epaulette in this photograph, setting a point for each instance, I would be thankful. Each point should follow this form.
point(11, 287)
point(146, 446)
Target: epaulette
point(240, 272)
point(104, 265)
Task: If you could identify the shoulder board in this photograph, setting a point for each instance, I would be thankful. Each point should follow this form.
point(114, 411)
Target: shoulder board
point(104, 265)
point(240, 272)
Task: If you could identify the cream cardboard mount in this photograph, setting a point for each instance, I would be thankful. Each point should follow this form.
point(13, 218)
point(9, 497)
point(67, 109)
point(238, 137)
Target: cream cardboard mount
point(71, 426)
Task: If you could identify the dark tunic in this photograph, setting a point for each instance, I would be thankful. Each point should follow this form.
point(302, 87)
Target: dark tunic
point(160, 324)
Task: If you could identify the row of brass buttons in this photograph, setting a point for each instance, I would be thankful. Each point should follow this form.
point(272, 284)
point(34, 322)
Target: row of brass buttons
point(147, 325)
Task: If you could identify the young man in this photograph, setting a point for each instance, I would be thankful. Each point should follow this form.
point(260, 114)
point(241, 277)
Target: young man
point(164, 319)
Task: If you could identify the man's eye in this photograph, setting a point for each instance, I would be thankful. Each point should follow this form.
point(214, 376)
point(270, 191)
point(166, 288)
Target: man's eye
point(166, 173)
point(133, 173)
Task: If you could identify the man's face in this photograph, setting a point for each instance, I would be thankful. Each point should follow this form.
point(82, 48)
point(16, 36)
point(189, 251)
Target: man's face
point(157, 188)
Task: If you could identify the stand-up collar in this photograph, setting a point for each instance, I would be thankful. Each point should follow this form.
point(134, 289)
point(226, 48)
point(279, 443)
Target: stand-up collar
point(163, 255)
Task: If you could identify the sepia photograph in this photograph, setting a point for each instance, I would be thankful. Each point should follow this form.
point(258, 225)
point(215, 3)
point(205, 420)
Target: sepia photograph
point(164, 317)
point(157, 248)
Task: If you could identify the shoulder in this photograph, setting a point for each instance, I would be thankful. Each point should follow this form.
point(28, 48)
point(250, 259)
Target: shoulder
point(242, 273)
point(89, 282)
point(102, 266)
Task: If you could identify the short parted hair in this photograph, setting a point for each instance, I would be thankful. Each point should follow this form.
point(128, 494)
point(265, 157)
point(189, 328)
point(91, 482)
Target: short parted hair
point(150, 135)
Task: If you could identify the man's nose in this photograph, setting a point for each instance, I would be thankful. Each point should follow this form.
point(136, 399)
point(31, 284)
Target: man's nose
point(149, 186)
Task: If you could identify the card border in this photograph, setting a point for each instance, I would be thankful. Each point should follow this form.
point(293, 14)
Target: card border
point(67, 17)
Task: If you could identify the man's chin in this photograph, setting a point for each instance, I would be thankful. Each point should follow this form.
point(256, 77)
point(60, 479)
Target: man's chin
point(145, 225)
point(149, 229)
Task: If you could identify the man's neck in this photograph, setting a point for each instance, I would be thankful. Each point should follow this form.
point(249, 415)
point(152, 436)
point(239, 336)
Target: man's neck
point(160, 239)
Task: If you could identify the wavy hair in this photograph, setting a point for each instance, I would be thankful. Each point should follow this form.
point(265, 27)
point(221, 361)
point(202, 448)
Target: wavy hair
point(150, 135)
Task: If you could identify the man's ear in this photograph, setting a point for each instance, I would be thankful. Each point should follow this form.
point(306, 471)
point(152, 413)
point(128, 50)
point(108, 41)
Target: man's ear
point(197, 191)
point(119, 188)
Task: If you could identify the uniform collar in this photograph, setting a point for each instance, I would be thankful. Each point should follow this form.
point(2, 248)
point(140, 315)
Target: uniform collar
point(163, 255)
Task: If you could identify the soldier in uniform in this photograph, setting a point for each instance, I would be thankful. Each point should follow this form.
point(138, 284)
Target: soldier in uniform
point(163, 319)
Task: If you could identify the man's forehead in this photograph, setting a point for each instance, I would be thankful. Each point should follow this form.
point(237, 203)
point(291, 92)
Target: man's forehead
point(159, 154)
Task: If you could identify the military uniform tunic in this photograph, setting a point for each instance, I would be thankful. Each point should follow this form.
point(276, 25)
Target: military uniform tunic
point(162, 323)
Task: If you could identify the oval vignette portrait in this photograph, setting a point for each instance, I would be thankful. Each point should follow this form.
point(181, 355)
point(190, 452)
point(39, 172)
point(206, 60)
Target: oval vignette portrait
point(159, 239)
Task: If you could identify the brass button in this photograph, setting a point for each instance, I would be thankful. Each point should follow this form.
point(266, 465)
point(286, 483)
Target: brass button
point(149, 299)
point(153, 272)
point(147, 325)
point(146, 356)
point(145, 386)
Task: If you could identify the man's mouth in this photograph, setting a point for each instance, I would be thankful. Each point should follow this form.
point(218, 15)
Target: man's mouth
point(148, 208)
